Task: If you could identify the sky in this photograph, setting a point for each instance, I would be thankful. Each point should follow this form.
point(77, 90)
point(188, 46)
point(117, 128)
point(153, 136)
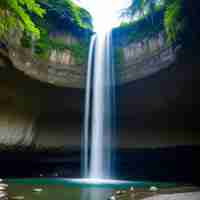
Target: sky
point(105, 13)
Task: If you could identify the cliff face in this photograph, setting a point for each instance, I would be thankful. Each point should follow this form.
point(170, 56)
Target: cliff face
point(138, 60)
point(59, 67)
point(144, 58)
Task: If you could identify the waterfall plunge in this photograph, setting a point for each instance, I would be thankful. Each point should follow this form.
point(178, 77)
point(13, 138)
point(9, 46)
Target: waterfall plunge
point(99, 123)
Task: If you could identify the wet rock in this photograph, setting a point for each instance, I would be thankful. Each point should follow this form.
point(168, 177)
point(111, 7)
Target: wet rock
point(153, 189)
point(18, 198)
point(112, 198)
point(2, 188)
point(37, 190)
point(3, 185)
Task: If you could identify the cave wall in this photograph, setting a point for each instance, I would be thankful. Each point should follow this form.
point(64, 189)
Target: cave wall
point(158, 105)
point(33, 114)
point(158, 111)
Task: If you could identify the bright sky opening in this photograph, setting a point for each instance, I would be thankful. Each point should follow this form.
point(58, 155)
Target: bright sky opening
point(105, 13)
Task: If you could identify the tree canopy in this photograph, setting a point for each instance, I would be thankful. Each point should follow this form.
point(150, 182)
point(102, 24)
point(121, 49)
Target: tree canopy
point(32, 15)
point(15, 14)
point(173, 19)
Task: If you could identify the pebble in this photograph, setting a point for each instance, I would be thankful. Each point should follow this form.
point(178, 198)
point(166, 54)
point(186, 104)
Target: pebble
point(1, 180)
point(3, 185)
point(118, 192)
point(18, 197)
point(3, 194)
point(112, 198)
point(37, 190)
point(153, 189)
point(2, 188)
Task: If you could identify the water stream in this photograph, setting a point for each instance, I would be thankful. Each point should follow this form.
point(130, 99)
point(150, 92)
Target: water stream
point(99, 122)
point(99, 119)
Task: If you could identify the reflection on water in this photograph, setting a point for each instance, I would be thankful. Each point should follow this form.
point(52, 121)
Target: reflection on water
point(95, 194)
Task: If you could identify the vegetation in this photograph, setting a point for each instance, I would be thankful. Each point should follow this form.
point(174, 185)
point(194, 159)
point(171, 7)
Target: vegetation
point(140, 29)
point(45, 44)
point(173, 19)
point(15, 14)
point(37, 19)
point(65, 15)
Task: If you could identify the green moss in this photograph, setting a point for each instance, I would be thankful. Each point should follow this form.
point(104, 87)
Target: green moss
point(65, 15)
point(142, 28)
point(45, 44)
point(16, 14)
point(66, 18)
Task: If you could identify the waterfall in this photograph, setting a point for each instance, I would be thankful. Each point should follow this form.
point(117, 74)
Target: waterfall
point(99, 109)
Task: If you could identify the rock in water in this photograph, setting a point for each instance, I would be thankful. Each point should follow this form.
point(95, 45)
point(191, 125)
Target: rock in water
point(18, 198)
point(112, 198)
point(153, 189)
point(2, 188)
point(3, 185)
point(37, 190)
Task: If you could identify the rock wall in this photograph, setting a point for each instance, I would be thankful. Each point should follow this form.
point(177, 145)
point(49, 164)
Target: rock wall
point(144, 58)
point(59, 70)
point(140, 59)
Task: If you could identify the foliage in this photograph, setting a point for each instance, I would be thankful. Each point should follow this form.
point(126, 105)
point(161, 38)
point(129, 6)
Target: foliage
point(67, 13)
point(142, 8)
point(15, 14)
point(45, 44)
point(62, 17)
point(143, 28)
point(173, 19)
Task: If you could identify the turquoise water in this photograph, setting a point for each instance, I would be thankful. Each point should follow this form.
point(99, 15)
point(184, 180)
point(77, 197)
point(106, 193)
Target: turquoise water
point(71, 189)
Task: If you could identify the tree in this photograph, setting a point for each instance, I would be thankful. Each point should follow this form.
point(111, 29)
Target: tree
point(174, 21)
point(16, 14)
point(136, 7)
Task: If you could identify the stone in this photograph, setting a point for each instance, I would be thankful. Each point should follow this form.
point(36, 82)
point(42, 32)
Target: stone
point(17, 197)
point(118, 192)
point(153, 189)
point(2, 188)
point(37, 190)
point(3, 195)
point(112, 198)
point(3, 185)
